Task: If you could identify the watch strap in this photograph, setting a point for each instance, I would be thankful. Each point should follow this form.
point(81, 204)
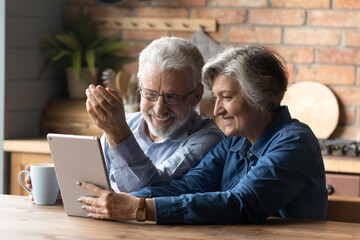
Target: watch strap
point(140, 212)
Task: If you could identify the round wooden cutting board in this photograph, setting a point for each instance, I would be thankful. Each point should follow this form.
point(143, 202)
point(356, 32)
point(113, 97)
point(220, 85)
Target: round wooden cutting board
point(315, 104)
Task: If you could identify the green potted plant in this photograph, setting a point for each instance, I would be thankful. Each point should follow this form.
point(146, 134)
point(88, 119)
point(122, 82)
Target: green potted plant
point(82, 53)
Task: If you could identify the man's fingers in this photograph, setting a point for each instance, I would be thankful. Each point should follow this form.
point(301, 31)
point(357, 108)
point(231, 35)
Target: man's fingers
point(31, 198)
point(93, 100)
point(27, 167)
point(27, 179)
point(115, 94)
point(102, 97)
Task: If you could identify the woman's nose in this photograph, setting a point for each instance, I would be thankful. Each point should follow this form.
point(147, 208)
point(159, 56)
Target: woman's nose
point(218, 108)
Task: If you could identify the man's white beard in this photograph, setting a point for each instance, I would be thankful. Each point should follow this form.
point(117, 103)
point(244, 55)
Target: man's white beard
point(163, 130)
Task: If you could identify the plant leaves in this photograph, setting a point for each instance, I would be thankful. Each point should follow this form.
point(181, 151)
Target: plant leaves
point(69, 41)
point(90, 60)
point(111, 46)
point(76, 63)
point(61, 54)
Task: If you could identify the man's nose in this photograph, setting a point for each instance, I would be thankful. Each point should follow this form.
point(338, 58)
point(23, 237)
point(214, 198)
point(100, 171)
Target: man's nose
point(160, 106)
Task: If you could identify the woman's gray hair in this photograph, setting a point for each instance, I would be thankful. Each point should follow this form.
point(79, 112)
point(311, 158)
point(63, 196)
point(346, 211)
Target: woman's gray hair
point(260, 72)
point(172, 53)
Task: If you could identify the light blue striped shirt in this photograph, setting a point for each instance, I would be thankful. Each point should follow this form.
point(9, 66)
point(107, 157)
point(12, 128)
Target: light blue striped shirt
point(138, 162)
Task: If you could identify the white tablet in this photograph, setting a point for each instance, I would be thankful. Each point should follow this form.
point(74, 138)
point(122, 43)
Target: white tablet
point(77, 158)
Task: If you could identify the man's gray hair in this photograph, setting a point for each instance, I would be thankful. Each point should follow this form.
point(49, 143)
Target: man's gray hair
point(260, 72)
point(172, 53)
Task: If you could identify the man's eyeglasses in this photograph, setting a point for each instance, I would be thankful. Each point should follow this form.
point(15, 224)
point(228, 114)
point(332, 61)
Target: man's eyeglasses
point(170, 99)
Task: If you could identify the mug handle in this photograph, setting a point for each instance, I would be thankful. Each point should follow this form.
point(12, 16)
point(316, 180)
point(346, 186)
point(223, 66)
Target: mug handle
point(22, 183)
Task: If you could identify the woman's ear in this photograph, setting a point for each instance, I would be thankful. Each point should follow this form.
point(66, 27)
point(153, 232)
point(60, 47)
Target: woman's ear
point(198, 94)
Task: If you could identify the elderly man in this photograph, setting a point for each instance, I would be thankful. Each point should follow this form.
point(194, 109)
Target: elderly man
point(167, 137)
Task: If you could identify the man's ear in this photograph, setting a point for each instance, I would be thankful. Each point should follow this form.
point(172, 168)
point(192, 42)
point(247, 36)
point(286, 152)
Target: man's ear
point(198, 94)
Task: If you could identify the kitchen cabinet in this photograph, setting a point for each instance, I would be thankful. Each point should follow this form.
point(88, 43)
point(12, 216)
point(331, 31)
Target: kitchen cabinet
point(23, 152)
point(343, 173)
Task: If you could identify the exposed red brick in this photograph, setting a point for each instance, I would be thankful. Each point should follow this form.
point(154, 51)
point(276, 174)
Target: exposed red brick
point(136, 47)
point(134, 3)
point(143, 34)
point(105, 11)
point(301, 3)
point(81, 1)
point(348, 95)
point(217, 36)
point(296, 54)
point(223, 15)
point(352, 38)
point(178, 3)
point(238, 3)
point(106, 33)
point(277, 17)
point(162, 12)
point(349, 4)
point(312, 36)
point(326, 74)
point(347, 132)
point(334, 18)
point(347, 115)
point(339, 56)
point(290, 70)
point(255, 35)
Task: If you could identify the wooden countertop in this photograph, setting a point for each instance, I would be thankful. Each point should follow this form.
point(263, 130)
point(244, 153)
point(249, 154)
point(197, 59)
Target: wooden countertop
point(332, 163)
point(22, 219)
point(27, 146)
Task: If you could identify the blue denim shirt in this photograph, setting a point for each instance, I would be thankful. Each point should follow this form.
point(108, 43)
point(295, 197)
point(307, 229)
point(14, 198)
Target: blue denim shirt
point(138, 161)
point(282, 174)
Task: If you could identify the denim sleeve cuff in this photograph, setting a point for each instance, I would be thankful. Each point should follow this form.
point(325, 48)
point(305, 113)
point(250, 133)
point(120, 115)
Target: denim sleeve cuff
point(125, 153)
point(168, 210)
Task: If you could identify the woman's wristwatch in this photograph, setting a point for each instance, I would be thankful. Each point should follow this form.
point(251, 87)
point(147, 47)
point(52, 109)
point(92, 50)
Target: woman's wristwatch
point(140, 212)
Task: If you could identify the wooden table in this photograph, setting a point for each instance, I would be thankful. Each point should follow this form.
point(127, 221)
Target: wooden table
point(22, 219)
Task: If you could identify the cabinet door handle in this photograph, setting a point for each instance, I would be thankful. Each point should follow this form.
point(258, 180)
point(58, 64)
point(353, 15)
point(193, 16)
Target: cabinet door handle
point(330, 189)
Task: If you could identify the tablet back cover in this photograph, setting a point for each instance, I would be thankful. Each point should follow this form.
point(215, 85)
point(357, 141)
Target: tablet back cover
point(77, 158)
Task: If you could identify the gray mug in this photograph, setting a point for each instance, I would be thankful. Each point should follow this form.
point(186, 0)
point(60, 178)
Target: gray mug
point(45, 188)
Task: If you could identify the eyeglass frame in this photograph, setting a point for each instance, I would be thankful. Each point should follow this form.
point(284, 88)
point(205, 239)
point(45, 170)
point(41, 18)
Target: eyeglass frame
point(166, 95)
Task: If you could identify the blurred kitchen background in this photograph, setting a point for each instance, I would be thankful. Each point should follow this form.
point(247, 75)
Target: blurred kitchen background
point(319, 39)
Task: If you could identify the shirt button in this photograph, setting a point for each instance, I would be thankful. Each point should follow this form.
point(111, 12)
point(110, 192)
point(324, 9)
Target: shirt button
point(251, 154)
point(251, 167)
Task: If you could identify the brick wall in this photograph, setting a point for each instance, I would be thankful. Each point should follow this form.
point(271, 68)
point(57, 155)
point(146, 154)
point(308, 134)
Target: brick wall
point(319, 39)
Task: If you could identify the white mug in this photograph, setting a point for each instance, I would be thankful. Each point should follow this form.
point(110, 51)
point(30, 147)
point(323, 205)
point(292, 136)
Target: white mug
point(45, 188)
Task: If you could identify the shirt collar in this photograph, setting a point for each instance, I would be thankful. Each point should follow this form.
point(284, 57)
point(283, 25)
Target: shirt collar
point(243, 145)
point(182, 133)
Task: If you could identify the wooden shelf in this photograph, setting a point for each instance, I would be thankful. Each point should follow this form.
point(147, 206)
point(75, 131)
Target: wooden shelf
point(167, 24)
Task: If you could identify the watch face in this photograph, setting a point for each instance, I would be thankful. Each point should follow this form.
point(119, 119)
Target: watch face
point(140, 214)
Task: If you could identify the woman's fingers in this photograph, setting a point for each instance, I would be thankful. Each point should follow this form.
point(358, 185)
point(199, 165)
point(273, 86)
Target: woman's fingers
point(91, 188)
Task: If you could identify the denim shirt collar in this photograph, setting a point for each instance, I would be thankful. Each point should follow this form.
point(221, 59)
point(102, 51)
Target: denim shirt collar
point(178, 135)
point(244, 145)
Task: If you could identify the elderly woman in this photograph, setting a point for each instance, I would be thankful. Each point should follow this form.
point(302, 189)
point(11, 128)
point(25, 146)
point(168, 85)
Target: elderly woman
point(268, 164)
